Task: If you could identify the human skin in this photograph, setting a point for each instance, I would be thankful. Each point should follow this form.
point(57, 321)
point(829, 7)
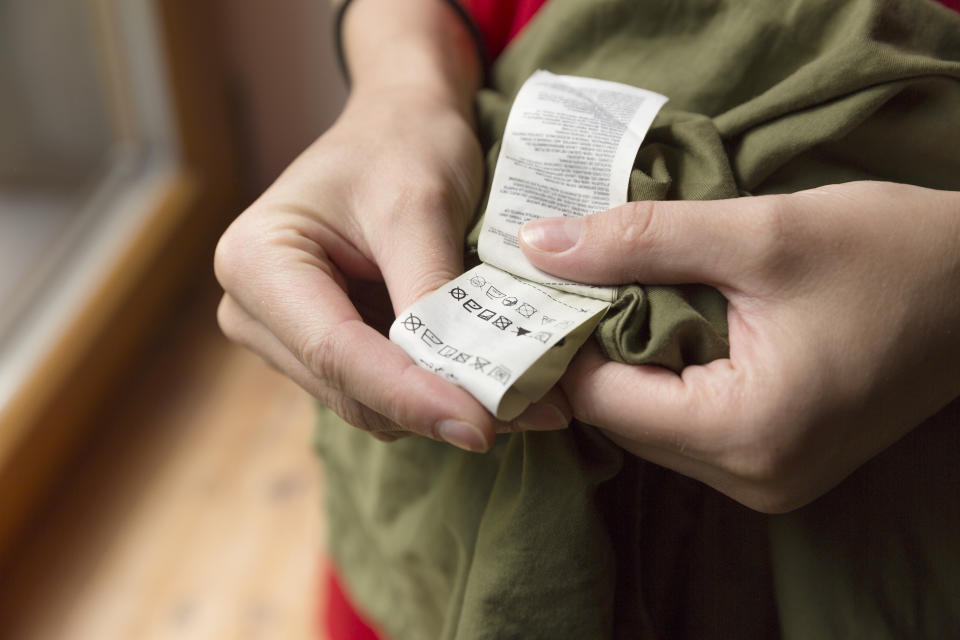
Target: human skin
point(843, 300)
point(384, 195)
point(844, 320)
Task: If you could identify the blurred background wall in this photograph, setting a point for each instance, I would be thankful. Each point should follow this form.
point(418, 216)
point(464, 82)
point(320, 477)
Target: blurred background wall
point(284, 81)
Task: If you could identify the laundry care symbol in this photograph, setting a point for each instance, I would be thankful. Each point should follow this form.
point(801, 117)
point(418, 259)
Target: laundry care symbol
point(458, 293)
point(478, 281)
point(502, 323)
point(520, 331)
point(412, 323)
point(493, 293)
point(501, 374)
point(431, 339)
point(526, 310)
point(454, 354)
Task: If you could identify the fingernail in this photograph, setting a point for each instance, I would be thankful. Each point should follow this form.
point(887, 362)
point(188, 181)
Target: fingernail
point(542, 417)
point(552, 235)
point(462, 434)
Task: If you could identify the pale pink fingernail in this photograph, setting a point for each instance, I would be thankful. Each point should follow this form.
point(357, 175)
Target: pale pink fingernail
point(551, 235)
point(462, 434)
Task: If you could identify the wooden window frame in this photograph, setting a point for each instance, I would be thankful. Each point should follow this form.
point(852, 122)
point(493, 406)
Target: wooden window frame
point(57, 398)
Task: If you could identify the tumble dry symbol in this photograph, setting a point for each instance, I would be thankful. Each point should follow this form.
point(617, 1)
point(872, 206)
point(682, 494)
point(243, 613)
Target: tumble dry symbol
point(412, 323)
point(526, 310)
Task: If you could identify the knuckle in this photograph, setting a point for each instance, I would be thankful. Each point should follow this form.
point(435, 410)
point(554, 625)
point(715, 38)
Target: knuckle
point(235, 325)
point(322, 353)
point(586, 413)
point(775, 235)
point(633, 225)
point(234, 250)
point(226, 318)
point(364, 418)
point(228, 255)
point(580, 394)
point(349, 410)
point(395, 406)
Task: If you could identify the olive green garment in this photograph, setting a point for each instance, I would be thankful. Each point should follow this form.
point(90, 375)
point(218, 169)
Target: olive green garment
point(562, 535)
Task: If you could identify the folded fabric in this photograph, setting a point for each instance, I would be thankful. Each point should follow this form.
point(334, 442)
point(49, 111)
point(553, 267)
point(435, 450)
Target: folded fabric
point(561, 535)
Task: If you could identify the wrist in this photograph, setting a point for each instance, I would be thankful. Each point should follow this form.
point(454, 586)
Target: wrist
point(422, 45)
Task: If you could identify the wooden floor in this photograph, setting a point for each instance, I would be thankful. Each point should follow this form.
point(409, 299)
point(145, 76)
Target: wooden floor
point(193, 513)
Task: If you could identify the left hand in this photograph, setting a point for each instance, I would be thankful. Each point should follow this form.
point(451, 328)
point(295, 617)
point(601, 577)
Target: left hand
point(844, 318)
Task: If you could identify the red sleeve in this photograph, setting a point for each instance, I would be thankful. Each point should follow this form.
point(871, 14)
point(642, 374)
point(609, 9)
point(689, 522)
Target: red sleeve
point(500, 20)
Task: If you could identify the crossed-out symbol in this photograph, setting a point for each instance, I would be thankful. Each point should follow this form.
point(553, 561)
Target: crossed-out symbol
point(458, 293)
point(412, 323)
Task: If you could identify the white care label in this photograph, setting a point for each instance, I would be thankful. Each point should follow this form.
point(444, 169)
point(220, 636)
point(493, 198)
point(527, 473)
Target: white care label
point(504, 339)
point(568, 149)
point(506, 331)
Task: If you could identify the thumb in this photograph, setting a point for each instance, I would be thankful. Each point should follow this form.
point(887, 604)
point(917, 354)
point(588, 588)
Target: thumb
point(714, 242)
point(418, 260)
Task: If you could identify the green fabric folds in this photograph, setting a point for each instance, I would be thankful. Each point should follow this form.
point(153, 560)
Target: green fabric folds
point(561, 535)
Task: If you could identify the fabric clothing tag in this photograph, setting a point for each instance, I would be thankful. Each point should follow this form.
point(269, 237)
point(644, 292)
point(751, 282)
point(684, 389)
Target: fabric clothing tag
point(505, 331)
point(504, 339)
point(568, 149)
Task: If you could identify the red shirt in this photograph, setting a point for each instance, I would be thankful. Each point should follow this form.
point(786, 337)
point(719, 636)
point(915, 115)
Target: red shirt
point(500, 20)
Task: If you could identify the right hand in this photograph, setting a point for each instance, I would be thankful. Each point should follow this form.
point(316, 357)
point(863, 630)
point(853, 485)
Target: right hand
point(385, 194)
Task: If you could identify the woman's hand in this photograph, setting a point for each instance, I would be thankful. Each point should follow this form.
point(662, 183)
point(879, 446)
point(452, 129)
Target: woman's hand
point(385, 194)
point(844, 317)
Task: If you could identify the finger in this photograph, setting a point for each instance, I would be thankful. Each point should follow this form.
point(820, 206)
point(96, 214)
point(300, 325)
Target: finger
point(299, 302)
point(656, 415)
point(655, 407)
point(550, 413)
point(714, 242)
point(243, 329)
